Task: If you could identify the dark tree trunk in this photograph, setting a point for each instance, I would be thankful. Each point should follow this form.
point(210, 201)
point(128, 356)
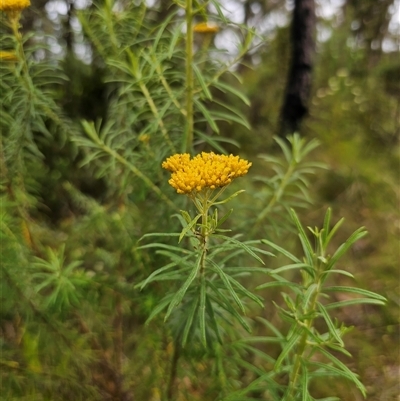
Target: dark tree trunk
point(295, 104)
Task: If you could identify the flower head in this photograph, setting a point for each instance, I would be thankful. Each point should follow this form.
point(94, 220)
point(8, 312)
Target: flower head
point(205, 27)
point(14, 5)
point(206, 170)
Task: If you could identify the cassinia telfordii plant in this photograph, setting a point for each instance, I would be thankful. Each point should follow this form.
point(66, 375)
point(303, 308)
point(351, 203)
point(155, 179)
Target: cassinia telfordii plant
point(203, 179)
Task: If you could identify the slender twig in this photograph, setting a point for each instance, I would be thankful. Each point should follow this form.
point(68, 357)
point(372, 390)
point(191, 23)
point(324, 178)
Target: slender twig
point(110, 25)
point(118, 338)
point(135, 71)
point(187, 143)
point(168, 88)
point(137, 172)
point(174, 372)
point(301, 349)
point(156, 114)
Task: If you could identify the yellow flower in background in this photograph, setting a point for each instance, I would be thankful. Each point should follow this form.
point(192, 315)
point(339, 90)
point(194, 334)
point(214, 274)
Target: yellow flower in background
point(14, 5)
point(206, 170)
point(8, 56)
point(205, 27)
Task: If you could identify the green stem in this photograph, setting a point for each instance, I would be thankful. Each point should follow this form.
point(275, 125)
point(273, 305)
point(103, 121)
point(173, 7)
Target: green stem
point(118, 328)
point(204, 233)
point(138, 75)
point(174, 372)
point(168, 88)
point(137, 172)
point(295, 373)
point(24, 74)
point(156, 114)
point(110, 26)
point(187, 144)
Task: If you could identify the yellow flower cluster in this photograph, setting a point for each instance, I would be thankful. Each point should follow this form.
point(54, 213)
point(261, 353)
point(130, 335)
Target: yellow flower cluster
point(206, 170)
point(204, 27)
point(14, 5)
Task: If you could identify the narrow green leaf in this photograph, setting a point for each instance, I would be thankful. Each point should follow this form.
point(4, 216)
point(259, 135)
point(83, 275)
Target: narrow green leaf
point(189, 227)
point(262, 339)
point(327, 222)
point(346, 246)
point(161, 305)
point(353, 290)
point(229, 118)
point(164, 246)
point(232, 110)
point(245, 269)
point(213, 320)
point(308, 294)
point(290, 344)
point(356, 301)
point(285, 149)
point(281, 250)
point(224, 302)
point(309, 146)
point(221, 11)
point(182, 291)
point(271, 327)
point(295, 287)
point(246, 292)
point(301, 266)
point(171, 276)
point(155, 273)
point(228, 88)
point(266, 380)
point(189, 320)
point(224, 218)
point(338, 349)
point(241, 245)
point(342, 369)
point(207, 115)
point(305, 395)
point(229, 198)
point(186, 216)
point(333, 231)
point(344, 272)
point(330, 324)
point(174, 40)
point(202, 83)
point(259, 353)
point(228, 285)
point(163, 27)
point(289, 302)
point(158, 235)
point(307, 248)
